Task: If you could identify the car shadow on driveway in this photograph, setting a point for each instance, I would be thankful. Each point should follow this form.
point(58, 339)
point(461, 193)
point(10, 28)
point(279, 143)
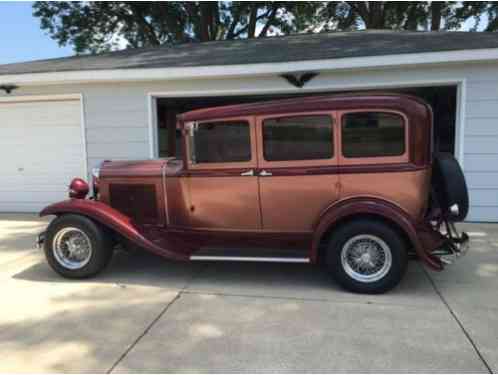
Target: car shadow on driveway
point(276, 280)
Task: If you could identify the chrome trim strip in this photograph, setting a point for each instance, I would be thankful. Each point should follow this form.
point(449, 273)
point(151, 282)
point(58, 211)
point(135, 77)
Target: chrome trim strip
point(249, 259)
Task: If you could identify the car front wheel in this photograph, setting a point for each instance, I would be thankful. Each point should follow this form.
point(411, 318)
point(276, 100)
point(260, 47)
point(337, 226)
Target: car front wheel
point(76, 247)
point(367, 256)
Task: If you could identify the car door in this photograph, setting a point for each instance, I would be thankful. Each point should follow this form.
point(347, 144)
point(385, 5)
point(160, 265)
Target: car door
point(222, 185)
point(298, 172)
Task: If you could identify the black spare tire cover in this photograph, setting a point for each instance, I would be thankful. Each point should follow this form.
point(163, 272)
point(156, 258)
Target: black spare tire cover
point(449, 185)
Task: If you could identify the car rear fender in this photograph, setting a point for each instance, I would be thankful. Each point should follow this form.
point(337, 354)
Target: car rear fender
point(113, 219)
point(351, 208)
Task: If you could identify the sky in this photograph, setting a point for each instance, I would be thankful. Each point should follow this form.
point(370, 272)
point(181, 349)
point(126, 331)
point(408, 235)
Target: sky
point(21, 38)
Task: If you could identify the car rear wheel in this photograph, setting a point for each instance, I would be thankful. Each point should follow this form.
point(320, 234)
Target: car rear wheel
point(366, 256)
point(77, 247)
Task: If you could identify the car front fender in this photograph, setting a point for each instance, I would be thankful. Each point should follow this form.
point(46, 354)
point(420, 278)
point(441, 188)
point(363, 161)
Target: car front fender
point(343, 210)
point(118, 222)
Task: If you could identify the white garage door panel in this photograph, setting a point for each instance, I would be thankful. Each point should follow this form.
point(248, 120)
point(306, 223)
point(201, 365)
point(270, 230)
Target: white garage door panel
point(57, 149)
point(33, 196)
point(55, 112)
point(42, 149)
point(38, 180)
point(42, 133)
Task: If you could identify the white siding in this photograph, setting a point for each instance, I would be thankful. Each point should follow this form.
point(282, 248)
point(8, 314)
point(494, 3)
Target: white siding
point(117, 114)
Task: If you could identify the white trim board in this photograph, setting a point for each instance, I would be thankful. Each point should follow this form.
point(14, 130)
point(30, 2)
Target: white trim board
point(83, 133)
point(239, 70)
point(460, 103)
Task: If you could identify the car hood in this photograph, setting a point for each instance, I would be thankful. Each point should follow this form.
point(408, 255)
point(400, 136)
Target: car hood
point(141, 168)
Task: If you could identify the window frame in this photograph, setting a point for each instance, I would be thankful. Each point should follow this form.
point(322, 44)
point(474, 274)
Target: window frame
point(403, 158)
point(225, 165)
point(263, 163)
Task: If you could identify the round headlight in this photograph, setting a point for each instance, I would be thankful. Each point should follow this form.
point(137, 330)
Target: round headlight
point(78, 188)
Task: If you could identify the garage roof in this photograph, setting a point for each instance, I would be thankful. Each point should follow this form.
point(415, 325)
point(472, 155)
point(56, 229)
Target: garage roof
point(297, 47)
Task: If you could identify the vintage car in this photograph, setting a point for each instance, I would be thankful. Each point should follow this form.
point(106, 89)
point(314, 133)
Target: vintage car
point(349, 182)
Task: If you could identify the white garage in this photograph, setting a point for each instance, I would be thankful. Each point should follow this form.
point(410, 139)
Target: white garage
point(42, 148)
point(130, 99)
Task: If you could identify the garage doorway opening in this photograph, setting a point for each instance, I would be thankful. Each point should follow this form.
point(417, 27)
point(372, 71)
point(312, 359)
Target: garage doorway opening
point(443, 100)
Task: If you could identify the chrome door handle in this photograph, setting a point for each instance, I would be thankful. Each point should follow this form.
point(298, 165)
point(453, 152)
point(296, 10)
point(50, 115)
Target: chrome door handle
point(248, 173)
point(264, 173)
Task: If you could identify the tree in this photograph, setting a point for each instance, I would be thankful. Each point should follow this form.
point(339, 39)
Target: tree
point(409, 15)
point(98, 26)
point(101, 26)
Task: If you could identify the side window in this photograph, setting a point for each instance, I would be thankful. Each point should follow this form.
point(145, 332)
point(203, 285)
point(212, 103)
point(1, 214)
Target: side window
point(298, 138)
point(220, 142)
point(373, 134)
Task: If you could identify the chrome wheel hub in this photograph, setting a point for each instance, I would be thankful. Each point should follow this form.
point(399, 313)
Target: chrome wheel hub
point(72, 248)
point(366, 258)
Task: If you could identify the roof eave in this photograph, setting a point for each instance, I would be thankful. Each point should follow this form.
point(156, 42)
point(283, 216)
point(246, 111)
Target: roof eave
point(226, 71)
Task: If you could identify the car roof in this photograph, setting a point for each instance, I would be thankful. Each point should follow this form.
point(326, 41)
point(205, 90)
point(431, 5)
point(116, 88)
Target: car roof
point(392, 101)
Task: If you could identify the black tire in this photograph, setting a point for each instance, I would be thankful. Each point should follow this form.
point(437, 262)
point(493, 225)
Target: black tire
point(449, 186)
point(100, 240)
point(370, 229)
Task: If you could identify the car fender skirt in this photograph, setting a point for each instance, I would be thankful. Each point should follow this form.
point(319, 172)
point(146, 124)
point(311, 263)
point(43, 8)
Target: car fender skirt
point(121, 224)
point(356, 207)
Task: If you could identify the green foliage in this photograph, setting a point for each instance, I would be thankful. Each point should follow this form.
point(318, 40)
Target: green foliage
point(101, 26)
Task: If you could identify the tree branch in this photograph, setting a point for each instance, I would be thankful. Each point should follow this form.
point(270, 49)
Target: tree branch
point(271, 18)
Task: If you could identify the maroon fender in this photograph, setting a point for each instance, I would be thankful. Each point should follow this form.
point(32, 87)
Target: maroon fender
point(118, 222)
point(341, 210)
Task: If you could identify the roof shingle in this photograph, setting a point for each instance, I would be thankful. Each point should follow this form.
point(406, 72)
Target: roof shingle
point(297, 47)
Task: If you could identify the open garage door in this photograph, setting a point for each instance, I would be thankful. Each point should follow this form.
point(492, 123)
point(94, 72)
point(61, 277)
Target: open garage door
point(41, 148)
point(443, 100)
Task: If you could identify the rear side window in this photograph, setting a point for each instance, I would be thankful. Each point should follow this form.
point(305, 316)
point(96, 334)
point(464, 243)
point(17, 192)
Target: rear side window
point(373, 134)
point(220, 142)
point(298, 138)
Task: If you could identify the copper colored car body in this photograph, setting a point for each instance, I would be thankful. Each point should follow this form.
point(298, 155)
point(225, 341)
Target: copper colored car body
point(184, 209)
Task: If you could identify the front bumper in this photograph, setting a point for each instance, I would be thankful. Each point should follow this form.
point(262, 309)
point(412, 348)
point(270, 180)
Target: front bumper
point(454, 246)
point(40, 240)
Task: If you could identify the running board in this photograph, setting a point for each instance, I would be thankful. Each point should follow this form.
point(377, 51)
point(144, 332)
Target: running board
point(249, 259)
point(252, 255)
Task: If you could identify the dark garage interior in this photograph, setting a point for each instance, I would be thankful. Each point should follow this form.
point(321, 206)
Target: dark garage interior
point(443, 100)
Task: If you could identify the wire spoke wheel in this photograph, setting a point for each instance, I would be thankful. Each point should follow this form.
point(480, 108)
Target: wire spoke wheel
point(72, 248)
point(366, 258)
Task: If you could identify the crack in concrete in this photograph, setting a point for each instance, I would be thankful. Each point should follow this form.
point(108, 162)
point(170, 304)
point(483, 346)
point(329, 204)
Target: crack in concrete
point(147, 329)
point(460, 324)
point(154, 321)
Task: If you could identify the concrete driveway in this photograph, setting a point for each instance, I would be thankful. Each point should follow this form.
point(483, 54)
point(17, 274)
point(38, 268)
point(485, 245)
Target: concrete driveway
point(145, 314)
